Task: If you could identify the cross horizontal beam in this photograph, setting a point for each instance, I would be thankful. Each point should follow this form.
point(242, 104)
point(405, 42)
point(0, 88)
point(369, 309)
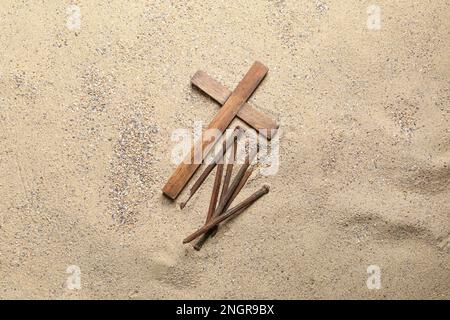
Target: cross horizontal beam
point(247, 113)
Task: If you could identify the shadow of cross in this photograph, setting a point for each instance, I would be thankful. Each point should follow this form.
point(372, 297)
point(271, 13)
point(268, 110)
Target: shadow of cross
point(232, 106)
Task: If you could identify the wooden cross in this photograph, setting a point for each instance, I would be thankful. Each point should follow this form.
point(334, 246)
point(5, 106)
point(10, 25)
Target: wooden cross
point(233, 104)
point(255, 119)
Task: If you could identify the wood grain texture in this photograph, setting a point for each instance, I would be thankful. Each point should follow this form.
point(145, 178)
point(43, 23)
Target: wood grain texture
point(180, 177)
point(257, 120)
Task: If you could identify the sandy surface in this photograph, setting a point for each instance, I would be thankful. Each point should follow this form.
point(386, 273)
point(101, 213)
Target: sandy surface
point(86, 117)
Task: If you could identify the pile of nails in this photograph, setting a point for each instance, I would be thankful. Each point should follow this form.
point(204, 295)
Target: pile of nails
point(218, 207)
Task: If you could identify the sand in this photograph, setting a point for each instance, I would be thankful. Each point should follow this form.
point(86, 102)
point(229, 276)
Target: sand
point(86, 116)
